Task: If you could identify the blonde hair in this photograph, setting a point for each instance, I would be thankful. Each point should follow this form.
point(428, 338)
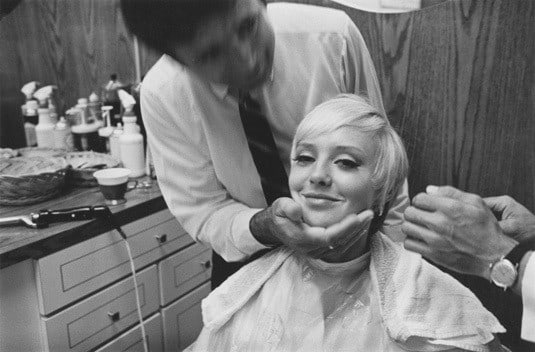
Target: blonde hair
point(348, 110)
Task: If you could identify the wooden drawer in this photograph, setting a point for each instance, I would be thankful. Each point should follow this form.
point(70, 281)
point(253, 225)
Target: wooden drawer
point(70, 274)
point(182, 320)
point(184, 271)
point(131, 340)
point(102, 316)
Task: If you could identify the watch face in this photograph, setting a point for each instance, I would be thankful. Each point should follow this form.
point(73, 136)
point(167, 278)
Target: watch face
point(503, 273)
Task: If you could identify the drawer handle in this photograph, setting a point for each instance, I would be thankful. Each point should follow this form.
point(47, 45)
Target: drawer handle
point(207, 264)
point(114, 316)
point(161, 238)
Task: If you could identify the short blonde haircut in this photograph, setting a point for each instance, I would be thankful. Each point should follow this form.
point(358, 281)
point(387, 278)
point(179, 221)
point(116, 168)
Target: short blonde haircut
point(348, 110)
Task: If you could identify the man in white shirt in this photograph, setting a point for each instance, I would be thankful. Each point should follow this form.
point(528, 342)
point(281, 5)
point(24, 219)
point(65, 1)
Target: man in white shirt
point(460, 231)
point(289, 58)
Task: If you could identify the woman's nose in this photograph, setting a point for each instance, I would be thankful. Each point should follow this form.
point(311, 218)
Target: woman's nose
point(320, 176)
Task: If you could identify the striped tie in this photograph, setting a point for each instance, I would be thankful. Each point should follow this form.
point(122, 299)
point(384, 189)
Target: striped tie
point(263, 149)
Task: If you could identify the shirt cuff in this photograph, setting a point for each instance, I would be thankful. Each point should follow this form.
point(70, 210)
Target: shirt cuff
point(243, 238)
point(528, 300)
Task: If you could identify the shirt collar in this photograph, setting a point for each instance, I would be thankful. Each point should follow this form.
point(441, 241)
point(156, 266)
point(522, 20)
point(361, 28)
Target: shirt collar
point(222, 90)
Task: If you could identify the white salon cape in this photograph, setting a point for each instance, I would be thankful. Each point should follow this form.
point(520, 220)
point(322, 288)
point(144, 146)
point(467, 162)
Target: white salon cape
point(386, 300)
point(201, 156)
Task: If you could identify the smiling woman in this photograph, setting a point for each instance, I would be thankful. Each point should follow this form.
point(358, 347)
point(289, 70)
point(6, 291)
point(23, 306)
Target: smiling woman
point(346, 158)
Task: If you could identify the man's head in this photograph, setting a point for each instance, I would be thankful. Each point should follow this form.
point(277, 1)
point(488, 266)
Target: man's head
point(222, 41)
point(346, 151)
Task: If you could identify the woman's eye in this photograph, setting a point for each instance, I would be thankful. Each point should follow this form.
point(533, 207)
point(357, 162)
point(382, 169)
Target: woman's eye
point(347, 164)
point(303, 159)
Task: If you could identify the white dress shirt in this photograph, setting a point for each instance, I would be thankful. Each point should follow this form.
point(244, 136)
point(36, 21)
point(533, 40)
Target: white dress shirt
point(201, 156)
point(528, 301)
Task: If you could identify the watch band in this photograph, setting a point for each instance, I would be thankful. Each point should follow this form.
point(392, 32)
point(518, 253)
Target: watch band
point(517, 253)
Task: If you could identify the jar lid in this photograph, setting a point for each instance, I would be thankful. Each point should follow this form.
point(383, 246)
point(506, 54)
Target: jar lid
point(85, 128)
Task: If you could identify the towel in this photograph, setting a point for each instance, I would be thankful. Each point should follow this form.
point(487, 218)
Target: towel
point(416, 299)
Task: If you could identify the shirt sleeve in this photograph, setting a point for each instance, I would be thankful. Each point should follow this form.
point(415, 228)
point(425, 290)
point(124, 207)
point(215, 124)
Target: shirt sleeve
point(359, 76)
point(528, 300)
point(187, 178)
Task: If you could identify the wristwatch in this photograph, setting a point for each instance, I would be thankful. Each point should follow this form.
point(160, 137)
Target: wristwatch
point(504, 272)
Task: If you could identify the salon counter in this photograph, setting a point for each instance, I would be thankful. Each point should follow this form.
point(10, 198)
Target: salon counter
point(18, 243)
point(69, 287)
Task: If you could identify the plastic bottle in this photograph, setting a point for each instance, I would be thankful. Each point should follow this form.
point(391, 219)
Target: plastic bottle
point(62, 135)
point(131, 145)
point(110, 97)
point(30, 117)
point(94, 106)
point(44, 130)
point(115, 148)
point(106, 132)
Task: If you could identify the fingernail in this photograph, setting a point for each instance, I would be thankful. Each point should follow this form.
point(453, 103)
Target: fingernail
point(431, 189)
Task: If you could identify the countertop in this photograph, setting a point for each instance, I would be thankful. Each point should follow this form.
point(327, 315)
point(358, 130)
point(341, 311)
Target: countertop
point(18, 243)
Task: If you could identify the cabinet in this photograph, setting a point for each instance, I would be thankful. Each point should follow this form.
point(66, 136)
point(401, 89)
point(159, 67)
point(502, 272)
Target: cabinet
point(82, 298)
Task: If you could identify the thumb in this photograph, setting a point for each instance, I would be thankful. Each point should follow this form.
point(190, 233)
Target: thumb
point(497, 204)
point(288, 208)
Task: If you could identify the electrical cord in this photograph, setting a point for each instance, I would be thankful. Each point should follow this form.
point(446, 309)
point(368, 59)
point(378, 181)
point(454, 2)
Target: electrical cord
point(109, 217)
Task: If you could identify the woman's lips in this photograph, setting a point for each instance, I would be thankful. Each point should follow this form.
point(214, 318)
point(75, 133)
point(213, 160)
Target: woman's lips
point(318, 199)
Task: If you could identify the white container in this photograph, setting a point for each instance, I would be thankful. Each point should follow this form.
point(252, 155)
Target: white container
point(131, 146)
point(44, 130)
point(115, 149)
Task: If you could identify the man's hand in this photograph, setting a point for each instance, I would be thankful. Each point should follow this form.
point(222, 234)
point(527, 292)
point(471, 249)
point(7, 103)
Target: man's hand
point(516, 221)
point(456, 230)
point(282, 223)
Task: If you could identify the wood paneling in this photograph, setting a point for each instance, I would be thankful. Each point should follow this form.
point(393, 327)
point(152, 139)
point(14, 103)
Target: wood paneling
point(458, 82)
point(74, 44)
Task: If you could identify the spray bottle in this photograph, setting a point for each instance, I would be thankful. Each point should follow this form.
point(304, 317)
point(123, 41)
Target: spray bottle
point(45, 96)
point(131, 141)
point(29, 113)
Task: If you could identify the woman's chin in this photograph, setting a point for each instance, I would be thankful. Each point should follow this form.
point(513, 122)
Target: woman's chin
point(320, 219)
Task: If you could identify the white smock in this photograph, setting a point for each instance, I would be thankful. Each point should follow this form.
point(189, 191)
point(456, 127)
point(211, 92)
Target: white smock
point(386, 300)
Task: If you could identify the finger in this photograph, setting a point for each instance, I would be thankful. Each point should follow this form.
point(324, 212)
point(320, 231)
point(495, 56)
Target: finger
point(435, 203)
point(422, 217)
point(417, 246)
point(498, 204)
point(454, 193)
point(288, 208)
point(509, 227)
point(349, 226)
point(420, 233)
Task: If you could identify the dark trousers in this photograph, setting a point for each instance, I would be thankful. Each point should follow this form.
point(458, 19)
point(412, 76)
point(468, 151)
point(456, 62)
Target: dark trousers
point(221, 269)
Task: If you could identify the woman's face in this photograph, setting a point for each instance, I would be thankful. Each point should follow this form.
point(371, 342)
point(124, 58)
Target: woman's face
point(330, 175)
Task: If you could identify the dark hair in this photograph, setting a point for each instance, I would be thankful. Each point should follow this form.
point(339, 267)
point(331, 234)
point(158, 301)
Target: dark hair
point(160, 23)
